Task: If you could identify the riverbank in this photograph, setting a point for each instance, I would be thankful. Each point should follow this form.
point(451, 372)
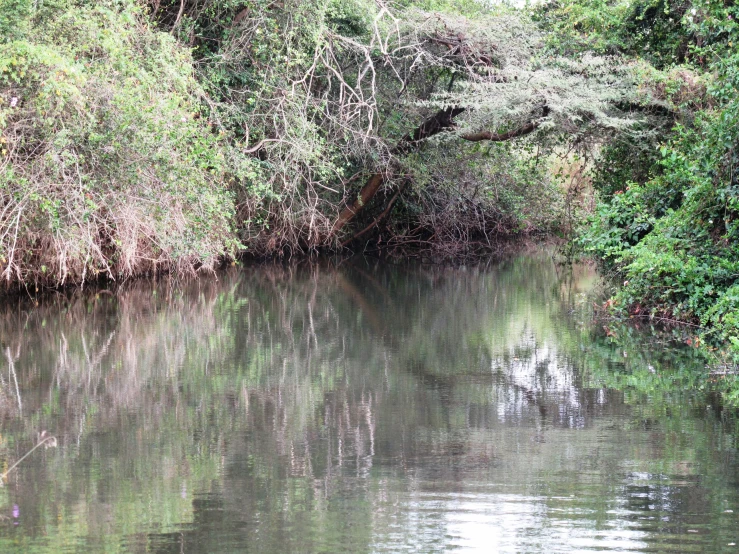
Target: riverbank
point(141, 138)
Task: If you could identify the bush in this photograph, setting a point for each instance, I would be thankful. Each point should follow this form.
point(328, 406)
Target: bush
point(106, 166)
point(684, 259)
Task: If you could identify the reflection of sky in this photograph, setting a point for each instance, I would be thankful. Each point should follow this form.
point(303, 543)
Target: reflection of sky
point(503, 522)
point(593, 499)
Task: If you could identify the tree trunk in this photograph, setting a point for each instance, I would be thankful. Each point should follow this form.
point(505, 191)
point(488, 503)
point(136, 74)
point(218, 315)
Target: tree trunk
point(365, 195)
point(442, 120)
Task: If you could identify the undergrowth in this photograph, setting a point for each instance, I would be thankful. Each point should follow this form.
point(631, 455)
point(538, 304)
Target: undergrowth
point(106, 166)
point(672, 237)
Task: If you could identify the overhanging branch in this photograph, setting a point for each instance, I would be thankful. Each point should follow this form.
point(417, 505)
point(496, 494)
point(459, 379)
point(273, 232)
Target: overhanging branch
point(441, 121)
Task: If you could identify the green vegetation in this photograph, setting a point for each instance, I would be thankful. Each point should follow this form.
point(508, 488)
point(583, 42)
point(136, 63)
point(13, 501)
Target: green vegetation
point(106, 167)
point(140, 137)
point(668, 225)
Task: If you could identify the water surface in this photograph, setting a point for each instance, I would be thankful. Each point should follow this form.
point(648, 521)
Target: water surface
point(358, 407)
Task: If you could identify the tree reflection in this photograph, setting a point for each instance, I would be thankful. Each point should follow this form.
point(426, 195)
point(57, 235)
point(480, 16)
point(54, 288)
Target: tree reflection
point(336, 407)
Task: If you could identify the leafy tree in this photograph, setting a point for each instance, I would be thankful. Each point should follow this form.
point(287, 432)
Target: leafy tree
point(329, 95)
point(672, 236)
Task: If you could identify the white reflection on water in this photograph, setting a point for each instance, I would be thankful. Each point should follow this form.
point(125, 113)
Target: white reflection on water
point(506, 523)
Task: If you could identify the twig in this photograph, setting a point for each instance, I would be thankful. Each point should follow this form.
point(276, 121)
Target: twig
point(667, 320)
point(51, 439)
point(179, 15)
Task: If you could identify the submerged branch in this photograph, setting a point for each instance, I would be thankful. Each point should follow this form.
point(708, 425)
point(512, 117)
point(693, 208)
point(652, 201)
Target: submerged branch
point(44, 439)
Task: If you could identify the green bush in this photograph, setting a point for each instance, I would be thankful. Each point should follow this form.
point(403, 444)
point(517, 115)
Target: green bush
point(674, 239)
point(107, 166)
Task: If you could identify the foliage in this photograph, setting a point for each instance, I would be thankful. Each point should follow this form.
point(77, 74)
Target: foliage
point(106, 164)
point(14, 15)
point(673, 236)
point(652, 29)
point(323, 92)
point(467, 201)
point(123, 153)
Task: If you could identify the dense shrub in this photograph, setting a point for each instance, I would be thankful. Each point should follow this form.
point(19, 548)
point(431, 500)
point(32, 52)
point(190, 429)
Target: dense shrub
point(106, 166)
point(674, 237)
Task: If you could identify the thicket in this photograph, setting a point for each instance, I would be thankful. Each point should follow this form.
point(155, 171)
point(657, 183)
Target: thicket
point(105, 164)
point(666, 223)
point(140, 137)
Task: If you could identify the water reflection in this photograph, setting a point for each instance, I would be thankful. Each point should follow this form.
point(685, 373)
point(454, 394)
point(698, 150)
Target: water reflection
point(359, 407)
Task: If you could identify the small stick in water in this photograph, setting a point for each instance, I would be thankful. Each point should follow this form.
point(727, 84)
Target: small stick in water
point(48, 440)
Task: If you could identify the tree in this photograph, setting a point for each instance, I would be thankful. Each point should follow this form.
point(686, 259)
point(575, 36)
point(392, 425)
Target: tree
point(349, 91)
point(116, 160)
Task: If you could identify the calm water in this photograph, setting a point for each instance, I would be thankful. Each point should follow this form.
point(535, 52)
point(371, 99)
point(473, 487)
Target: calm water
point(359, 408)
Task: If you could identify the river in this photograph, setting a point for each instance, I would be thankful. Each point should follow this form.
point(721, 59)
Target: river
point(359, 406)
